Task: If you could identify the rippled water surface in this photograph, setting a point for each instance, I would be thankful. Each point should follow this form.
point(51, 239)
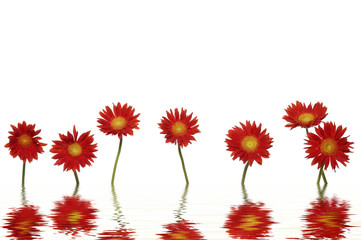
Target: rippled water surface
point(179, 212)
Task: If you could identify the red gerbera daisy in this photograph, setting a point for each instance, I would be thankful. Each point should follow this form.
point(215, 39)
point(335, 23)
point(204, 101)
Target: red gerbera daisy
point(328, 146)
point(121, 121)
point(300, 115)
point(72, 215)
point(249, 221)
point(24, 142)
point(181, 229)
point(24, 222)
point(179, 128)
point(74, 152)
point(249, 143)
point(120, 234)
point(327, 219)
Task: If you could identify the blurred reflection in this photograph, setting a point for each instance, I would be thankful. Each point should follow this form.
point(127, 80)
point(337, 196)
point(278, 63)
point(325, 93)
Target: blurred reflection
point(249, 221)
point(73, 215)
point(122, 233)
point(181, 229)
point(24, 222)
point(327, 218)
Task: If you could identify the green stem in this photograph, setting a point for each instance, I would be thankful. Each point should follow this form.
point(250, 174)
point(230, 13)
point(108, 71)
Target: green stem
point(245, 195)
point(23, 196)
point(23, 179)
point(184, 168)
point(324, 177)
point(306, 131)
point(116, 160)
point(182, 206)
point(321, 173)
point(76, 178)
point(76, 190)
point(244, 173)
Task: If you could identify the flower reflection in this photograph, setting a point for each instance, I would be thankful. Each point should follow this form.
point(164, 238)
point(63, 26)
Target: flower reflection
point(122, 233)
point(181, 229)
point(249, 221)
point(327, 218)
point(23, 222)
point(73, 215)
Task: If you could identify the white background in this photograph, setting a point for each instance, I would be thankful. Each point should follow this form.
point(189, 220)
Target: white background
point(61, 62)
point(226, 61)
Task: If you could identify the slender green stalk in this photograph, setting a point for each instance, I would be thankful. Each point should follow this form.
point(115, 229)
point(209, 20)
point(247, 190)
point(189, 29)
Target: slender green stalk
point(324, 177)
point(116, 160)
point(76, 190)
point(182, 205)
point(321, 173)
point(23, 179)
point(244, 173)
point(306, 131)
point(321, 192)
point(184, 168)
point(23, 196)
point(76, 178)
point(245, 195)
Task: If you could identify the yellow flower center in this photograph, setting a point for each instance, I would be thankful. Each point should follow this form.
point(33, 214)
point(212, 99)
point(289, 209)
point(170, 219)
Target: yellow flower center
point(179, 235)
point(329, 147)
point(249, 144)
point(75, 149)
point(250, 222)
point(306, 118)
point(25, 140)
point(24, 227)
point(118, 123)
point(179, 129)
point(329, 220)
point(74, 217)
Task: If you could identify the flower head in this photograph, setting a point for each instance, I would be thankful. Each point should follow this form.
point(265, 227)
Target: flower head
point(249, 221)
point(121, 121)
point(74, 152)
point(181, 229)
point(24, 222)
point(328, 146)
point(74, 214)
point(179, 128)
point(327, 219)
point(300, 115)
point(120, 234)
point(24, 142)
point(248, 143)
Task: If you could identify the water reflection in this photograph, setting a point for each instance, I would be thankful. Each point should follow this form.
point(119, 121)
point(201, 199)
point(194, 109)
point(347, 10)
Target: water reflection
point(122, 233)
point(181, 229)
point(24, 222)
point(327, 218)
point(73, 215)
point(250, 220)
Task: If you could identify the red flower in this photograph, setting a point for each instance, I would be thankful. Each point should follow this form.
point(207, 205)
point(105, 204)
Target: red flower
point(179, 128)
point(249, 221)
point(181, 229)
point(248, 143)
point(23, 222)
point(121, 234)
point(121, 121)
point(73, 151)
point(72, 215)
point(24, 142)
point(300, 115)
point(327, 219)
point(328, 146)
